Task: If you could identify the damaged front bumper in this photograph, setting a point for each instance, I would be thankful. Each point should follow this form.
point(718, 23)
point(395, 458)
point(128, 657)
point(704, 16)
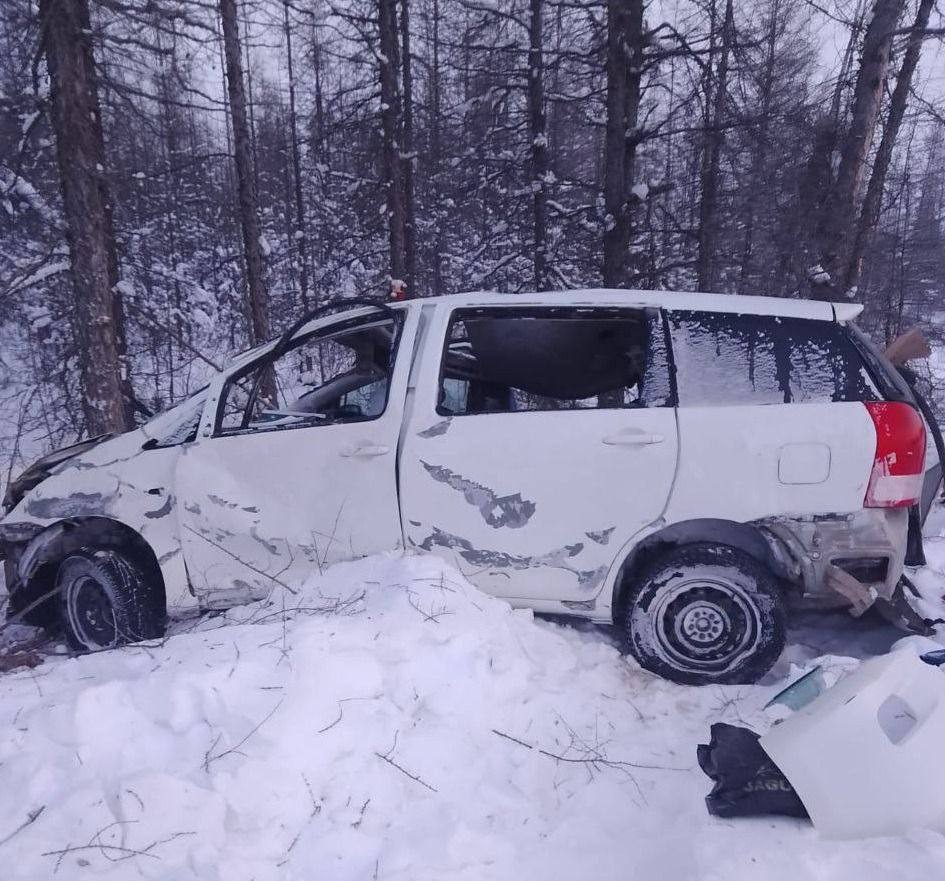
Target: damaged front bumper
point(842, 560)
point(14, 540)
point(14, 536)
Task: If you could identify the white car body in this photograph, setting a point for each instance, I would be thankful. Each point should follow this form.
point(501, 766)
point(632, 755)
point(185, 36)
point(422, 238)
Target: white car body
point(545, 508)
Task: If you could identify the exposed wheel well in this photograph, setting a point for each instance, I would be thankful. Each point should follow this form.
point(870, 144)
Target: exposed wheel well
point(742, 536)
point(34, 595)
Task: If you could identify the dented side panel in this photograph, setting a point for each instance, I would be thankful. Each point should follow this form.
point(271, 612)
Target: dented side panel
point(532, 506)
point(120, 481)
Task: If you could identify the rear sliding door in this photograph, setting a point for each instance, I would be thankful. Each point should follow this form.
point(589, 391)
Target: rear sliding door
point(541, 442)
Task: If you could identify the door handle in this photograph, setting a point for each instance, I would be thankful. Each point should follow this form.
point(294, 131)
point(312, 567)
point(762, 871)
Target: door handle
point(366, 451)
point(634, 439)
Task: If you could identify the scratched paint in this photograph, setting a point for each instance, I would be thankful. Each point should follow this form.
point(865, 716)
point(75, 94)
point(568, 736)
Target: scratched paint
point(601, 536)
point(588, 579)
point(77, 505)
point(436, 430)
point(512, 511)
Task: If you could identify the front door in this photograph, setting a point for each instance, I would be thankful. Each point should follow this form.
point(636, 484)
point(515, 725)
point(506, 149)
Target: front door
point(543, 441)
point(300, 469)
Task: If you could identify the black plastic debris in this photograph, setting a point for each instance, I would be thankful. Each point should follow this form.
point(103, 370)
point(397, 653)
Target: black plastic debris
point(935, 658)
point(747, 782)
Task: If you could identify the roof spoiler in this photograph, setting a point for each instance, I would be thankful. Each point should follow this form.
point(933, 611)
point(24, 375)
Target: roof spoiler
point(846, 311)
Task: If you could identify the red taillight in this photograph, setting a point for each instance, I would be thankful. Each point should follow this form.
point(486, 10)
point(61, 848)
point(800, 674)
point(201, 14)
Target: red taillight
point(896, 478)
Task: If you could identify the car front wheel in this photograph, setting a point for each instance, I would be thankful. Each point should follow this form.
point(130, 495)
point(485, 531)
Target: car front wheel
point(106, 601)
point(703, 614)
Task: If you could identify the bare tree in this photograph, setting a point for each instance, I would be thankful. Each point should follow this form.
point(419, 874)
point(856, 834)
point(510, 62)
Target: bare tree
point(838, 219)
point(872, 203)
point(408, 157)
point(716, 98)
point(80, 147)
point(624, 72)
point(300, 233)
point(539, 145)
point(245, 177)
point(392, 132)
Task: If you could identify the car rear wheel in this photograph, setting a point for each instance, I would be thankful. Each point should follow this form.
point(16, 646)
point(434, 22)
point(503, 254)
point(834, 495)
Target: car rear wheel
point(106, 601)
point(703, 614)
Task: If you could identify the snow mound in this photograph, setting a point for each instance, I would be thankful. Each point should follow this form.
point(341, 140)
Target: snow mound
point(390, 721)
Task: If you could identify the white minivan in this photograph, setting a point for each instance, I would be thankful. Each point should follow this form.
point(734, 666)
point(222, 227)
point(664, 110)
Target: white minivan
point(687, 466)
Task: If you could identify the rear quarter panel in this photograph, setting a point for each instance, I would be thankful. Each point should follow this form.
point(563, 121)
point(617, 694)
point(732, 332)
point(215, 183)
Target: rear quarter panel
point(748, 462)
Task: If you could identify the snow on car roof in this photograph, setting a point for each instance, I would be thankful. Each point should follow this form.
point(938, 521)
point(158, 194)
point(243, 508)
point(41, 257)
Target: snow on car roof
point(591, 297)
point(753, 305)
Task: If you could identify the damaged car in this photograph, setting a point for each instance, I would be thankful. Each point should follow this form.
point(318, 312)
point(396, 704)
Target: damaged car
point(686, 466)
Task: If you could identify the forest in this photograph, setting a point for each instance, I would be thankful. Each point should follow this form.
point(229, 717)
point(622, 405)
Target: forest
point(181, 179)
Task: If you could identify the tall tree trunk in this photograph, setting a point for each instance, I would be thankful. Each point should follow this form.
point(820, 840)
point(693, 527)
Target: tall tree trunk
point(245, 179)
point(436, 148)
point(624, 72)
point(837, 224)
point(321, 137)
point(392, 130)
point(872, 203)
point(301, 243)
point(408, 157)
point(760, 156)
point(80, 147)
point(708, 232)
point(539, 146)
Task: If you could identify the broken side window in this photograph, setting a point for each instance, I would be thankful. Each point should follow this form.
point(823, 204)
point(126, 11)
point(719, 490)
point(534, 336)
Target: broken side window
point(501, 360)
point(341, 375)
point(730, 359)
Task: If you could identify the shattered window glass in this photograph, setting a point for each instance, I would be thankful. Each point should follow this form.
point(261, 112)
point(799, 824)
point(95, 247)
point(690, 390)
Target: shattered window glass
point(725, 358)
point(177, 425)
point(501, 360)
point(339, 376)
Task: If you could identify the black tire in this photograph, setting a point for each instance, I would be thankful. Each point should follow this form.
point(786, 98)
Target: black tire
point(105, 601)
point(704, 614)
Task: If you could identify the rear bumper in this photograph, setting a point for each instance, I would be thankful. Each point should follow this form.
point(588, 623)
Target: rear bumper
point(842, 560)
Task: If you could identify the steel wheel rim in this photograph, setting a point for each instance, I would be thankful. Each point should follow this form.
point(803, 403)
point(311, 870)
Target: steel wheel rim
point(705, 624)
point(91, 614)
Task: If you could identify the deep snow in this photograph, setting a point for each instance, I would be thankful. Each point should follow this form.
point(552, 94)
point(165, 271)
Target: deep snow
point(400, 724)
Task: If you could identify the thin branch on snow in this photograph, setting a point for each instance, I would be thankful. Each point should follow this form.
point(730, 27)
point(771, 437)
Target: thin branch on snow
point(113, 852)
point(209, 758)
point(386, 757)
point(31, 818)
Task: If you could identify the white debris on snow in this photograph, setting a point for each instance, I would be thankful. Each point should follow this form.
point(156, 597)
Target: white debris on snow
point(399, 725)
point(818, 275)
point(125, 288)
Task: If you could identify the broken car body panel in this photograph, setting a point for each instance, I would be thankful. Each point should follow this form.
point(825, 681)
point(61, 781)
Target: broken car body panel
point(540, 506)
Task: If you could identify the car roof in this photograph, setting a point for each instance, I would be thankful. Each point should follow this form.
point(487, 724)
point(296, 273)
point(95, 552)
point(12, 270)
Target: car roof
point(731, 303)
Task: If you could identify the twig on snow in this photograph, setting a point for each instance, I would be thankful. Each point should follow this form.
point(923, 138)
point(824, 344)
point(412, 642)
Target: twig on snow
point(113, 852)
point(209, 759)
point(31, 818)
point(596, 758)
point(386, 758)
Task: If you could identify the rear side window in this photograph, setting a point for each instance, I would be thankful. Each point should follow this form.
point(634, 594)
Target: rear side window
point(726, 359)
point(515, 360)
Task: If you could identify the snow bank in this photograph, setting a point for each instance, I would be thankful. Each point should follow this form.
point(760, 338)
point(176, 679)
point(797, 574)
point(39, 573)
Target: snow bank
point(398, 724)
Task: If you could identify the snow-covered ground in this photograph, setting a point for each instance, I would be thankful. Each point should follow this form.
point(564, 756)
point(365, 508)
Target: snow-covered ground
point(397, 724)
